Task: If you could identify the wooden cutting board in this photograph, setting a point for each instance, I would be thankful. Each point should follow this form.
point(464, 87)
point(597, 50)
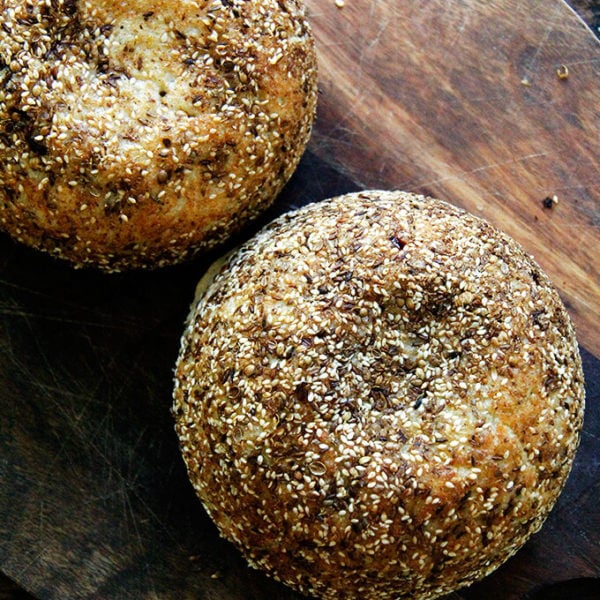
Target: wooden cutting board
point(459, 99)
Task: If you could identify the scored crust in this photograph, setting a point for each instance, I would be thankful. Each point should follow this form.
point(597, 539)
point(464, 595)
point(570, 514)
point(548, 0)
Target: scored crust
point(134, 134)
point(378, 396)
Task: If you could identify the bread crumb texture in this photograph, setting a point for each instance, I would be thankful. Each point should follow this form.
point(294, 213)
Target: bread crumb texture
point(379, 396)
point(136, 133)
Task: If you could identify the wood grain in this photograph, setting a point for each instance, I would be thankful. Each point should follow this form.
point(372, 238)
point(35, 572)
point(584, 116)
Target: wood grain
point(461, 100)
point(94, 499)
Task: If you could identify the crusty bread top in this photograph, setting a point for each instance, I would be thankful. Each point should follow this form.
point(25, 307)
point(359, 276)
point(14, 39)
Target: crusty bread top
point(133, 133)
point(379, 396)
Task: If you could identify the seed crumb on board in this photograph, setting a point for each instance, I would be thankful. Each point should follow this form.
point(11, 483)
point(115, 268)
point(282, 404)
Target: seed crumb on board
point(562, 72)
point(550, 201)
point(340, 3)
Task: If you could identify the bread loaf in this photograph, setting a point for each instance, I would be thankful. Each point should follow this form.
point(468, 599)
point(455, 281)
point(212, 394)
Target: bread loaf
point(135, 134)
point(378, 397)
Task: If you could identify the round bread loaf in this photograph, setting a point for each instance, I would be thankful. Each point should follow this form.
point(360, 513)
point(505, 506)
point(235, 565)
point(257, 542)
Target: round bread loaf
point(133, 134)
point(379, 396)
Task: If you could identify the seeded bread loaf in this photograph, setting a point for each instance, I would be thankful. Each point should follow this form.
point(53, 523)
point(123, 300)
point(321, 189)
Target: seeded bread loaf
point(133, 134)
point(378, 397)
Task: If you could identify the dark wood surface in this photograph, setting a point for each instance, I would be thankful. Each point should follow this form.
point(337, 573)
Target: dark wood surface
point(459, 99)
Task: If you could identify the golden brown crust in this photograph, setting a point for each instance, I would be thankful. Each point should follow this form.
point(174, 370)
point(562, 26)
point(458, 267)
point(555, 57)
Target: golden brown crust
point(133, 134)
point(379, 396)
